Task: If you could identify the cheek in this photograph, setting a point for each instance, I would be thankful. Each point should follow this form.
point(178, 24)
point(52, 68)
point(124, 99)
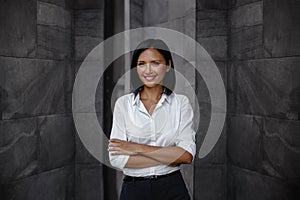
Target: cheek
point(161, 72)
point(139, 71)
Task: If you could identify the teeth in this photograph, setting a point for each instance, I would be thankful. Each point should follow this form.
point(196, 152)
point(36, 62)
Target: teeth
point(149, 78)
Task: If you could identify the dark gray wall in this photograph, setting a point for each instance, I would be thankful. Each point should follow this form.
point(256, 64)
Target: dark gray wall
point(88, 32)
point(263, 100)
point(210, 178)
point(42, 45)
point(255, 44)
point(36, 129)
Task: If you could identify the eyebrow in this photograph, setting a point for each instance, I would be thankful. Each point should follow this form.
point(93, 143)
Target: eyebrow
point(142, 61)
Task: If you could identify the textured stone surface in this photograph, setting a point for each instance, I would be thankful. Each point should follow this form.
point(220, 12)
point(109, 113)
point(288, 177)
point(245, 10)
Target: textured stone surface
point(82, 155)
point(1, 192)
point(246, 39)
point(248, 185)
point(18, 149)
point(216, 46)
point(53, 15)
point(170, 14)
point(212, 4)
point(184, 25)
point(281, 28)
point(211, 23)
point(267, 87)
point(89, 31)
point(178, 9)
point(56, 142)
point(262, 134)
point(218, 153)
point(33, 145)
point(281, 141)
point(89, 23)
point(18, 28)
point(203, 94)
point(84, 45)
point(34, 87)
point(54, 43)
point(3, 93)
point(136, 13)
point(54, 184)
point(210, 182)
point(245, 142)
point(155, 12)
point(237, 3)
point(62, 3)
point(85, 104)
point(268, 146)
point(54, 40)
point(247, 42)
point(247, 15)
point(89, 182)
point(88, 4)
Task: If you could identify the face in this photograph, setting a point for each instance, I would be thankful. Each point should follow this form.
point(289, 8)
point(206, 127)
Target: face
point(152, 68)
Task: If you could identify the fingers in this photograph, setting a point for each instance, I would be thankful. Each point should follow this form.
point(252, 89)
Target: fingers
point(110, 149)
point(116, 140)
point(119, 147)
point(115, 143)
point(115, 150)
point(112, 144)
point(114, 147)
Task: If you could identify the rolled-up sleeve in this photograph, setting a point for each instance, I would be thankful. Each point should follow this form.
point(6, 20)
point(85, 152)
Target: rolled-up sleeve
point(118, 132)
point(186, 135)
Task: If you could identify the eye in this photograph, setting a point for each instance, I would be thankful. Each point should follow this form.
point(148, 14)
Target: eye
point(141, 64)
point(155, 64)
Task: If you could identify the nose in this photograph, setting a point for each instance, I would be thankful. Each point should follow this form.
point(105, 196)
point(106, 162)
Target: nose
point(148, 69)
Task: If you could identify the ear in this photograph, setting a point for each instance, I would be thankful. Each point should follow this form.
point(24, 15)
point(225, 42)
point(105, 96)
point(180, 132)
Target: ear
point(169, 66)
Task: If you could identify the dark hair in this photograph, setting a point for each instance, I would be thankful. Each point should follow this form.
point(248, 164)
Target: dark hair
point(161, 47)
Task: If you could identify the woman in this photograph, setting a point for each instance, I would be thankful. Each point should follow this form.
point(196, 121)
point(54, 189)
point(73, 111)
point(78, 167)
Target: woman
point(152, 133)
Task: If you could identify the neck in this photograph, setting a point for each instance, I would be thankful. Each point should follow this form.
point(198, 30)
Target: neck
point(153, 93)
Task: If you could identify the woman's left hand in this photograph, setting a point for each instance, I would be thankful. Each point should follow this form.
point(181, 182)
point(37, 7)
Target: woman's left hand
point(121, 147)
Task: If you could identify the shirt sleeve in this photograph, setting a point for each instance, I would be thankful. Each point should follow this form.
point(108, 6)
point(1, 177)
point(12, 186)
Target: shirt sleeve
point(118, 132)
point(186, 135)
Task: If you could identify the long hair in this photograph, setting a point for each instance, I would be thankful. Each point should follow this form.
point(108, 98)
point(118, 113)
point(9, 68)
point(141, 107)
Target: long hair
point(169, 79)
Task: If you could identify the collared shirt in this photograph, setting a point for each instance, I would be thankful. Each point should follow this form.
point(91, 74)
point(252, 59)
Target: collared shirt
point(171, 124)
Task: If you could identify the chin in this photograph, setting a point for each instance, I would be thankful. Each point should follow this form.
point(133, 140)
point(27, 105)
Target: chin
point(151, 85)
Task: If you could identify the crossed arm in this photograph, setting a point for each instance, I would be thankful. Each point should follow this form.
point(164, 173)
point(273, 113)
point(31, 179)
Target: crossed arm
point(141, 155)
point(134, 155)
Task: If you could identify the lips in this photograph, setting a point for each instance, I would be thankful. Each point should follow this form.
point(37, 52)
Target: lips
point(149, 78)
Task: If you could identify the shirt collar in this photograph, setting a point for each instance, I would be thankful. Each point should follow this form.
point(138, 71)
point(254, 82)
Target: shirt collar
point(166, 96)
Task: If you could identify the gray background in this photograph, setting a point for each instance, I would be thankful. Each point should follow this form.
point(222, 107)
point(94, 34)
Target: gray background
point(255, 44)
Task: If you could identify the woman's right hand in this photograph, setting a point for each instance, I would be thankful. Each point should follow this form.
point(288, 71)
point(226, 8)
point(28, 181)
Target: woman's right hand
point(121, 147)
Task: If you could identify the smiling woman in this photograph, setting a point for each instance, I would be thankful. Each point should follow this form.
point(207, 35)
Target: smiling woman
point(152, 133)
point(152, 68)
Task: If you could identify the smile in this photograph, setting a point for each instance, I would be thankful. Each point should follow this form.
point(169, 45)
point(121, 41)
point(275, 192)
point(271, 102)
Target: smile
point(149, 78)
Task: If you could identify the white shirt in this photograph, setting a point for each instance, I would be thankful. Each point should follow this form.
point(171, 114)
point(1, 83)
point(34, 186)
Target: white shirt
point(171, 124)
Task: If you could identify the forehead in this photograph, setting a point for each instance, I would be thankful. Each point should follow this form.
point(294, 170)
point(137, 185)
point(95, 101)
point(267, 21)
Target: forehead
point(152, 54)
